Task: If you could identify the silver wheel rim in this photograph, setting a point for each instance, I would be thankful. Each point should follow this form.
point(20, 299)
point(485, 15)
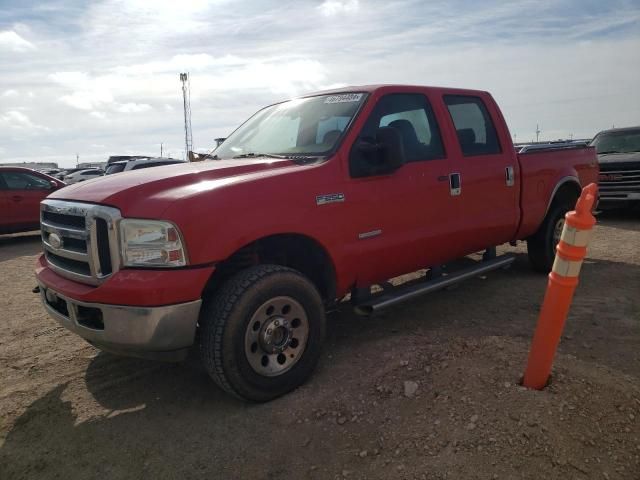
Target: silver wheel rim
point(276, 336)
point(557, 232)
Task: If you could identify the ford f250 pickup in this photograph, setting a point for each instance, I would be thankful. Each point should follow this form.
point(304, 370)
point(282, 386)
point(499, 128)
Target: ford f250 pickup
point(308, 201)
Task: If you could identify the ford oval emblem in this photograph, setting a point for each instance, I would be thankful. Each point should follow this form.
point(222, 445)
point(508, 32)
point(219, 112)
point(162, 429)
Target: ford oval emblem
point(55, 241)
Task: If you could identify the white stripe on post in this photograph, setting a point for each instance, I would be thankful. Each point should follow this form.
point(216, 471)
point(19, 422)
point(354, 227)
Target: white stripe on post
point(575, 237)
point(566, 268)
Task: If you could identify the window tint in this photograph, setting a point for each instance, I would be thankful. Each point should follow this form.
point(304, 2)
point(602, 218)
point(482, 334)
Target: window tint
point(151, 164)
point(24, 181)
point(475, 129)
point(412, 115)
point(115, 168)
point(138, 166)
point(91, 172)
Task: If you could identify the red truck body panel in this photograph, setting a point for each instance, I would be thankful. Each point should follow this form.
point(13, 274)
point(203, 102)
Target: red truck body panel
point(141, 288)
point(542, 172)
point(387, 225)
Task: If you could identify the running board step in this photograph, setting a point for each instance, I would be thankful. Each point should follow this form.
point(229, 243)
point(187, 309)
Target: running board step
point(402, 294)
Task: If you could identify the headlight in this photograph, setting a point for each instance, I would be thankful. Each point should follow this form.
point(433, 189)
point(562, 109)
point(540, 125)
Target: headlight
point(151, 243)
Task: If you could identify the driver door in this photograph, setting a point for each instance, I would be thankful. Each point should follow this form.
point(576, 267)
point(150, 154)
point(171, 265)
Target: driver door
point(399, 217)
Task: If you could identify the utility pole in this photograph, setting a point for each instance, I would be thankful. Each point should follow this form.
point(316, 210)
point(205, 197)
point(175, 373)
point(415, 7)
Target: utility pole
point(186, 100)
point(77, 159)
point(160, 149)
point(537, 133)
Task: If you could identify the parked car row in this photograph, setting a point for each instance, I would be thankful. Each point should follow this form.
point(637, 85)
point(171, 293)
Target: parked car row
point(22, 189)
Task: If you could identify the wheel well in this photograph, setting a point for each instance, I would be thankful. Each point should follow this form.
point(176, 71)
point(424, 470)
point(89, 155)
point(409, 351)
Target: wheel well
point(567, 193)
point(295, 251)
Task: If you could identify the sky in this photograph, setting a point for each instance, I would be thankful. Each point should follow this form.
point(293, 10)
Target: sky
point(101, 78)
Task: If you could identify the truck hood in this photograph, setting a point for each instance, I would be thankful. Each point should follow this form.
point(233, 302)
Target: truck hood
point(160, 186)
point(619, 157)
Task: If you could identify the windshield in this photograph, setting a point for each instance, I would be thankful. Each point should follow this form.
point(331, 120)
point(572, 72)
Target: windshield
point(311, 126)
point(617, 142)
point(115, 168)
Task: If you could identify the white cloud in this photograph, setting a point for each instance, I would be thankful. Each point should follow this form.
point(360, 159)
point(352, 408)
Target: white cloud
point(15, 119)
point(72, 79)
point(10, 93)
point(87, 99)
point(179, 63)
point(10, 40)
point(335, 7)
point(132, 107)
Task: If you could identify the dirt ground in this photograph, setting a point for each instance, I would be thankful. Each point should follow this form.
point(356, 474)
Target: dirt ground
point(68, 411)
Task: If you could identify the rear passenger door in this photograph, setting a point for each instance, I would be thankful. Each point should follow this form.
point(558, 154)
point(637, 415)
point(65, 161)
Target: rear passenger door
point(486, 185)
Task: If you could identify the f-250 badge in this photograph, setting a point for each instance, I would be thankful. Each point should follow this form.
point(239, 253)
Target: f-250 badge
point(329, 198)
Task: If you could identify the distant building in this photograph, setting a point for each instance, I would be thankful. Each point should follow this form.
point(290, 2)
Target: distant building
point(34, 165)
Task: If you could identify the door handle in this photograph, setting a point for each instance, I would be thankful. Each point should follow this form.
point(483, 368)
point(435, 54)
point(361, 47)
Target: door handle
point(455, 184)
point(16, 198)
point(509, 176)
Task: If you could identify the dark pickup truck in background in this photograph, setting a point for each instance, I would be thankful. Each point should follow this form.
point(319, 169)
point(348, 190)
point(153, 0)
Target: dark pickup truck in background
point(619, 157)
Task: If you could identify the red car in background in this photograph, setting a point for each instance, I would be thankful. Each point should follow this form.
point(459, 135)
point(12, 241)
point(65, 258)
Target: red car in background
point(21, 191)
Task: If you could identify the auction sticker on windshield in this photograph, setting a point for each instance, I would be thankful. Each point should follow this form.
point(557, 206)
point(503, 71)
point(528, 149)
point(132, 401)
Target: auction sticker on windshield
point(344, 98)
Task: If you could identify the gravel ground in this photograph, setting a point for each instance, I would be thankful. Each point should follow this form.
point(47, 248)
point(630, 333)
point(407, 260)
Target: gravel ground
point(427, 390)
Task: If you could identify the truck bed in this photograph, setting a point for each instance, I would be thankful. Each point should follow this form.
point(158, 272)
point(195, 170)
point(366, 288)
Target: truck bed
point(543, 171)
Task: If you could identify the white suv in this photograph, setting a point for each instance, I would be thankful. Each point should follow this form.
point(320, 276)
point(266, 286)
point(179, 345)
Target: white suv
point(82, 175)
point(126, 165)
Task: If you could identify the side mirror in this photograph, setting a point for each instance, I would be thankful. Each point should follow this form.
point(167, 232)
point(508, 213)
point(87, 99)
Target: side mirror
point(392, 148)
point(53, 185)
point(383, 155)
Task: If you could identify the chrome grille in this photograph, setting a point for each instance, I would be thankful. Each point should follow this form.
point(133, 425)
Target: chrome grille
point(80, 239)
point(619, 180)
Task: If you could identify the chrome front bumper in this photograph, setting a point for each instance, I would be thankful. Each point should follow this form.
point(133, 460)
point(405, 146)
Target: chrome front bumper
point(163, 333)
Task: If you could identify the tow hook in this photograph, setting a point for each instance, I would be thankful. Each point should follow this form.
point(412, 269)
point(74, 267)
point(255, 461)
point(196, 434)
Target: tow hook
point(36, 289)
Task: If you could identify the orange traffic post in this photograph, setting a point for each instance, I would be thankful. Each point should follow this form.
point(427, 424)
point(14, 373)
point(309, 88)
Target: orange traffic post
point(563, 280)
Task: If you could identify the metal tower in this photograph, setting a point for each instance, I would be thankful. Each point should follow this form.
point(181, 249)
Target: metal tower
point(186, 99)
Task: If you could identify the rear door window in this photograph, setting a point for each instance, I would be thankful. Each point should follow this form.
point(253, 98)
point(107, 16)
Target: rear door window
point(24, 181)
point(474, 126)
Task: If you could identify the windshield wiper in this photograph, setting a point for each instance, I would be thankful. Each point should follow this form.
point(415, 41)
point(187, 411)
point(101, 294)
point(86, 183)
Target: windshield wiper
point(607, 152)
point(254, 155)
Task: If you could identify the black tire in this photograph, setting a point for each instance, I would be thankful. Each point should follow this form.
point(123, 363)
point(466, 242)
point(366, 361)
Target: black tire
point(224, 323)
point(541, 246)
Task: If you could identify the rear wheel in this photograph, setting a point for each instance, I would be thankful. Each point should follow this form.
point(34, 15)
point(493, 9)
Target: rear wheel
point(261, 333)
point(541, 246)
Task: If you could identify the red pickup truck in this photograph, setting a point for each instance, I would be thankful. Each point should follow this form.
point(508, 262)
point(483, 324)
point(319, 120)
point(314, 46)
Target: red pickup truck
point(306, 202)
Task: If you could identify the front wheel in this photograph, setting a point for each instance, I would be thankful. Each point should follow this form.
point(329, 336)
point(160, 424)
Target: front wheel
point(262, 332)
point(541, 246)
